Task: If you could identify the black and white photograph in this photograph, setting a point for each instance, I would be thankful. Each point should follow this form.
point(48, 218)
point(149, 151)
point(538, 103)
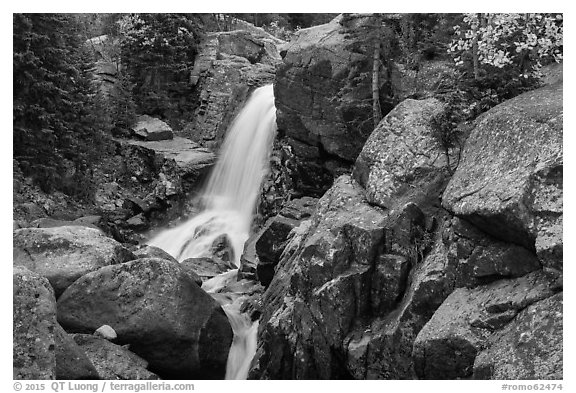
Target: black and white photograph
point(287, 196)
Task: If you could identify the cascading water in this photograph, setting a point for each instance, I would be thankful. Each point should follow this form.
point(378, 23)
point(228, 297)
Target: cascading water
point(233, 187)
point(229, 201)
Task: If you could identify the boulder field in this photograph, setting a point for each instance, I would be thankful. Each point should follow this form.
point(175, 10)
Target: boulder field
point(75, 289)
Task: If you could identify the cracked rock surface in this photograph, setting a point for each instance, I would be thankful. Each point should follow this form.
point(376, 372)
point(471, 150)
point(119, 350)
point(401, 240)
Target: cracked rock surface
point(509, 183)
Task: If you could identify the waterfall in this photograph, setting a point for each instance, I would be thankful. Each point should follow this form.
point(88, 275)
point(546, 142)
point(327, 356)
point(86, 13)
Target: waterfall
point(229, 200)
point(233, 187)
point(243, 346)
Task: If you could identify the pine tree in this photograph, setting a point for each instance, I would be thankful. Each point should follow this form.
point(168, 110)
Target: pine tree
point(158, 50)
point(56, 131)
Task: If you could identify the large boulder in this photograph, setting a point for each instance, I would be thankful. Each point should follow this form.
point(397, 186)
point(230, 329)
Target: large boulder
point(324, 95)
point(381, 347)
point(222, 249)
point(270, 244)
point(529, 347)
point(552, 73)
point(248, 45)
point(206, 267)
point(154, 306)
point(64, 254)
point(410, 152)
point(147, 251)
point(316, 293)
point(152, 129)
point(479, 258)
point(447, 346)
point(405, 295)
point(112, 361)
point(149, 177)
point(248, 260)
point(509, 182)
point(192, 161)
point(48, 222)
point(34, 310)
point(71, 361)
point(228, 67)
point(262, 250)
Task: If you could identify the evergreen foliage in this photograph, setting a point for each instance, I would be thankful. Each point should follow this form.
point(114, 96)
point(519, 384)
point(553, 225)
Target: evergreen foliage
point(158, 51)
point(56, 122)
point(61, 123)
point(122, 109)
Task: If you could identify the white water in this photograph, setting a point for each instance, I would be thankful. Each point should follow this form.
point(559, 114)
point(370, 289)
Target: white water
point(229, 201)
point(244, 343)
point(234, 185)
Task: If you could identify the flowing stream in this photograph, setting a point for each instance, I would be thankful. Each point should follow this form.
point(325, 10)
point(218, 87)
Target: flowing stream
point(229, 201)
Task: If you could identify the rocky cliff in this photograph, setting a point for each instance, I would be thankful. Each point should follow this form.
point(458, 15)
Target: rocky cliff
point(228, 67)
point(405, 271)
point(323, 92)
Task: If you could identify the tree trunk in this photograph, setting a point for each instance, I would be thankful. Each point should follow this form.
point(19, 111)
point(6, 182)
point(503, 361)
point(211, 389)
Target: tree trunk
point(475, 47)
point(376, 111)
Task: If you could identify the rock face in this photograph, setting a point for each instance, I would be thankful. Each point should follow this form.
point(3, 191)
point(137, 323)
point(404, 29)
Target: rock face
point(105, 70)
point(270, 244)
point(153, 306)
point(353, 289)
point(324, 106)
point(52, 223)
point(190, 161)
point(146, 251)
point(429, 80)
point(222, 249)
point(478, 258)
point(71, 361)
point(381, 348)
point(151, 178)
point(530, 347)
point(509, 182)
point(262, 251)
point(64, 254)
point(317, 290)
point(447, 346)
point(105, 76)
point(34, 355)
point(366, 289)
point(152, 129)
point(410, 155)
point(206, 267)
point(112, 361)
point(228, 67)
